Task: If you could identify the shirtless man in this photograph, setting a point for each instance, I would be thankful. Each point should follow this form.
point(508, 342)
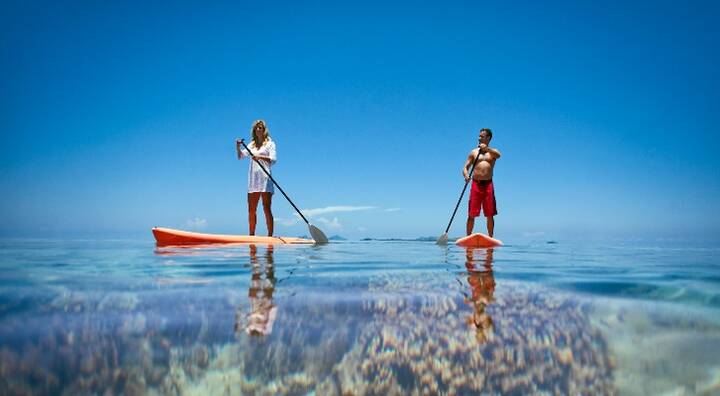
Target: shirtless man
point(482, 192)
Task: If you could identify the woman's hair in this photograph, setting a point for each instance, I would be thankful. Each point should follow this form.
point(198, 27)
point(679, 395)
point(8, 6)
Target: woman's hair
point(265, 133)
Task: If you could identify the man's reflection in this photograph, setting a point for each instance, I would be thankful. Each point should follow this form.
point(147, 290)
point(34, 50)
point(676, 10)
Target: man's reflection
point(263, 310)
point(482, 284)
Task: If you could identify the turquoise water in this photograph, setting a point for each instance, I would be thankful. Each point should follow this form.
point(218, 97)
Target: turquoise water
point(371, 317)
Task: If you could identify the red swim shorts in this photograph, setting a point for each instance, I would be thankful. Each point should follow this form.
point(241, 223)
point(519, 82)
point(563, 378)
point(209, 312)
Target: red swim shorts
point(482, 195)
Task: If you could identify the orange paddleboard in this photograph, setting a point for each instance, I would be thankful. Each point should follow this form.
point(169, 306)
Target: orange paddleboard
point(170, 237)
point(479, 241)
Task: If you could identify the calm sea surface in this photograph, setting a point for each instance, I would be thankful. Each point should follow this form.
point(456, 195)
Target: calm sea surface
point(371, 317)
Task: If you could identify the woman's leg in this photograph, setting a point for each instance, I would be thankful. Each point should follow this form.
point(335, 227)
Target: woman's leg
point(253, 199)
point(267, 203)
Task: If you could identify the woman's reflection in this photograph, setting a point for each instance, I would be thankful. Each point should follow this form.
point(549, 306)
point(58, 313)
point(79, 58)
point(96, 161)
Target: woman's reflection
point(482, 284)
point(263, 310)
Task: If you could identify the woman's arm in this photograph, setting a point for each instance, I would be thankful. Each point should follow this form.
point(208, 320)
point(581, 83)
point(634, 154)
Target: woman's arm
point(271, 153)
point(267, 152)
point(241, 152)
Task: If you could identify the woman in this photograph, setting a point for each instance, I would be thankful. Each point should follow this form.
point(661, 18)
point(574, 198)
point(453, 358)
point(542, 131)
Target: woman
point(259, 184)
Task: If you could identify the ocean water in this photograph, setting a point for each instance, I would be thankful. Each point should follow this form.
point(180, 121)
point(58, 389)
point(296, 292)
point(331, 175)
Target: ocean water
point(368, 317)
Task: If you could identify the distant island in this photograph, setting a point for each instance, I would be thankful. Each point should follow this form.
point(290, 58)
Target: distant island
point(418, 239)
point(332, 238)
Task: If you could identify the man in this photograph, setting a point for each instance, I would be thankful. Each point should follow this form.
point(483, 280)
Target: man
point(482, 192)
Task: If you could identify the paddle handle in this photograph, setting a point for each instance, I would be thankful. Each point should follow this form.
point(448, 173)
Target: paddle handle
point(273, 180)
point(472, 169)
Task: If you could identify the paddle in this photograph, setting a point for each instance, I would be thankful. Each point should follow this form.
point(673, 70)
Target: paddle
point(316, 233)
point(443, 239)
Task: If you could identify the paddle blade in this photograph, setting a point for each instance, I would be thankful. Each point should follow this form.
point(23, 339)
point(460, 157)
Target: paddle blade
point(443, 239)
point(317, 235)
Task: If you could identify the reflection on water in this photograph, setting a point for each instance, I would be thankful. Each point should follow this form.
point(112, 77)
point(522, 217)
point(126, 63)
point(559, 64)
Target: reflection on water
point(482, 283)
point(262, 285)
point(347, 318)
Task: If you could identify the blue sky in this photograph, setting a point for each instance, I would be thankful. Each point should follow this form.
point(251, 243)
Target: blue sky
point(119, 117)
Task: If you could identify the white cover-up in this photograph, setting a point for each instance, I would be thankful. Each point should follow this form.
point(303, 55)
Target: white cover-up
point(258, 181)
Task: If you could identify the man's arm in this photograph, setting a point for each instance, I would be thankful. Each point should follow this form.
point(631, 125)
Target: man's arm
point(494, 152)
point(468, 164)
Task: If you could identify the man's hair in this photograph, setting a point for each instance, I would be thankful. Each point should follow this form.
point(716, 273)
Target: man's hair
point(489, 132)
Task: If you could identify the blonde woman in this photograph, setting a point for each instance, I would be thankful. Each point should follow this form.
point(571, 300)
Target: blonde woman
point(259, 184)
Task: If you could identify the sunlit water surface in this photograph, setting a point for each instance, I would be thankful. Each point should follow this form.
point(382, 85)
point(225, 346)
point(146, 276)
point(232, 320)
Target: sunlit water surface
point(371, 317)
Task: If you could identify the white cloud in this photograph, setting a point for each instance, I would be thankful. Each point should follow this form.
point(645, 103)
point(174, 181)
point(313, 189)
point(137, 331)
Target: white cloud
point(334, 209)
point(316, 215)
point(332, 224)
point(287, 222)
point(393, 209)
point(197, 223)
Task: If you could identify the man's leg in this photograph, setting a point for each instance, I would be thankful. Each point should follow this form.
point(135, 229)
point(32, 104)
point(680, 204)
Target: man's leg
point(470, 225)
point(490, 208)
point(474, 205)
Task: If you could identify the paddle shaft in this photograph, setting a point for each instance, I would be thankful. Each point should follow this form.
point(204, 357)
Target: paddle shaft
point(463, 191)
point(274, 182)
